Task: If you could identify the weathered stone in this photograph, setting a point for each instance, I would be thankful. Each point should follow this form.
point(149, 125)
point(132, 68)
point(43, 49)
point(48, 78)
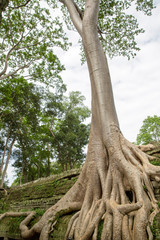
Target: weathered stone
point(40, 194)
point(147, 147)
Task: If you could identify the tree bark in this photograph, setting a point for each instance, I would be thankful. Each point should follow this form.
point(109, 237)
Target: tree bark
point(4, 152)
point(7, 162)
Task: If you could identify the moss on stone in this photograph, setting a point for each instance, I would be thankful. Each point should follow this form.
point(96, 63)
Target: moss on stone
point(37, 190)
point(10, 226)
point(155, 228)
point(60, 228)
point(100, 228)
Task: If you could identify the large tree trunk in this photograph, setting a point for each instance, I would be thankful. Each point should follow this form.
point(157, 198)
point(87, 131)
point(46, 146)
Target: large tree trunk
point(114, 185)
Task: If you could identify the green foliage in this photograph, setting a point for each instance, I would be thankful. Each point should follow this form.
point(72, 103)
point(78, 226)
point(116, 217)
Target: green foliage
point(155, 162)
point(14, 226)
point(28, 36)
point(20, 105)
point(3, 206)
point(19, 114)
point(20, 102)
point(56, 167)
point(16, 182)
point(155, 227)
point(150, 130)
point(59, 122)
point(117, 28)
point(71, 134)
point(100, 228)
point(3, 5)
point(39, 211)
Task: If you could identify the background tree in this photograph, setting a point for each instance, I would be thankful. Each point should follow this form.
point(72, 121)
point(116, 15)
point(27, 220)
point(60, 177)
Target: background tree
point(150, 131)
point(115, 183)
point(27, 37)
point(70, 133)
point(20, 106)
point(59, 124)
point(26, 48)
point(36, 143)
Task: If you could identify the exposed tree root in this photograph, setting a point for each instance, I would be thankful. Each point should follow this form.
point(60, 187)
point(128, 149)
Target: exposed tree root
point(114, 187)
point(18, 214)
point(126, 203)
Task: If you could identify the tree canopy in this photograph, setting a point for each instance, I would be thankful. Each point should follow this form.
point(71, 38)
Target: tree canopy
point(32, 123)
point(150, 130)
point(117, 27)
point(70, 133)
point(28, 37)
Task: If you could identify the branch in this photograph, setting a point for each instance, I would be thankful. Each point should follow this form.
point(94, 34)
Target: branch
point(22, 5)
point(14, 72)
point(75, 14)
point(91, 11)
point(51, 132)
point(7, 57)
point(6, 61)
point(31, 45)
point(3, 40)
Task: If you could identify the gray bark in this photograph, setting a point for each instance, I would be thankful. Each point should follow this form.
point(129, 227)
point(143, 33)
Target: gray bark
point(7, 162)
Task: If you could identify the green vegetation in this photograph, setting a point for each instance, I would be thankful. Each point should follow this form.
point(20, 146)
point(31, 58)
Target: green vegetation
point(150, 131)
point(61, 227)
point(35, 191)
point(155, 228)
point(100, 228)
point(43, 133)
point(34, 197)
point(155, 162)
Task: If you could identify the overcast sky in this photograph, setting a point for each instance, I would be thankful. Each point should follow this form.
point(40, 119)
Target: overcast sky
point(136, 83)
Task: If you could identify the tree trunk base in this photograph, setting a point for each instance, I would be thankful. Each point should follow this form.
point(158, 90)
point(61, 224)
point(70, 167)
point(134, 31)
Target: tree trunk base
point(116, 189)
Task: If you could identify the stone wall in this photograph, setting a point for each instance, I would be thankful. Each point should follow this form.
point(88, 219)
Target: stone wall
point(156, 186)
point(38, 195)
point(41, 193)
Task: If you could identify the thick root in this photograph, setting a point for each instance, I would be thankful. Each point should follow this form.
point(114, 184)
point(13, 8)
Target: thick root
point(126, 198)
point(119, 193)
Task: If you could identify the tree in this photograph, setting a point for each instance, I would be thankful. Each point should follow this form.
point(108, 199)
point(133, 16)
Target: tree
point(70, 134)
point(150, 130)
point(59, 131)
point(20, 106)
point(27, 37)
point(115, 183)
point(34, 143)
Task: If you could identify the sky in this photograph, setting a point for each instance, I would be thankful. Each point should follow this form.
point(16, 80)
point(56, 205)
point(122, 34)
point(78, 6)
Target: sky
point(136, 83)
